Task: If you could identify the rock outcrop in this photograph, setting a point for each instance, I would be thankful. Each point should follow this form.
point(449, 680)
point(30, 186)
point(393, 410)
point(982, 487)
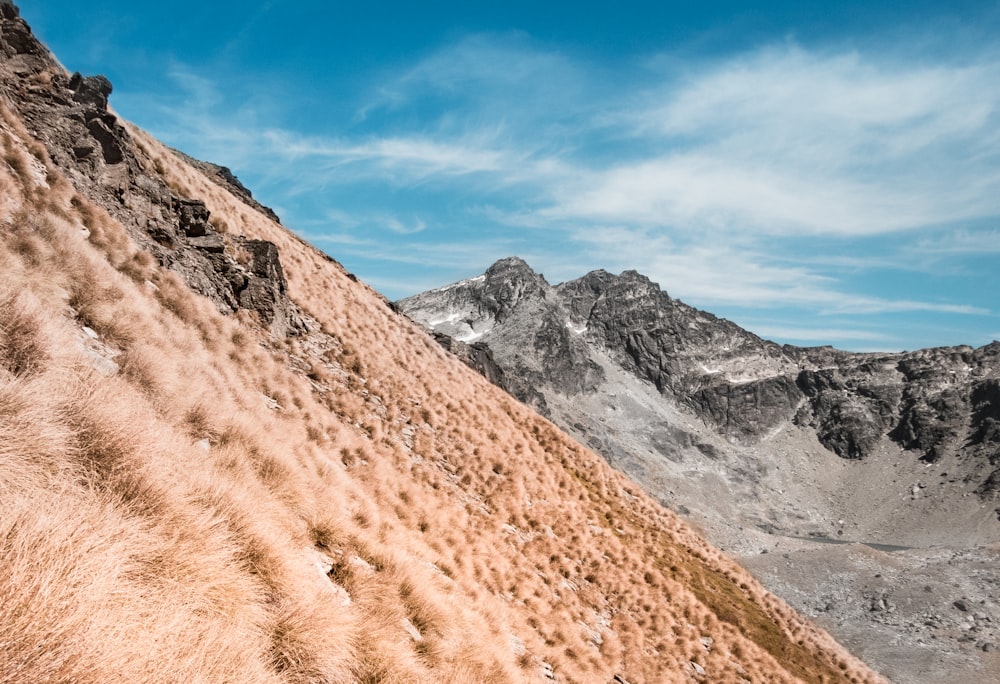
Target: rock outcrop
point(479, 357)
point(224, 176)
point(70, 115)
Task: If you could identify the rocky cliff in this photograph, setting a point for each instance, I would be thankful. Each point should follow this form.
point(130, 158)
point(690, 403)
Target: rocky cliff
point(932, 402)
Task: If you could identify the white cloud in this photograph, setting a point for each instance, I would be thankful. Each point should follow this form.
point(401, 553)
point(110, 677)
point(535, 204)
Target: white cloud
point(440, 255)
point(786, 141)
point(704, 192)
point(505, 76)
point(959, 242)
point(414, 157)
point(400, 228)
point(735, 273)
point(823, 335)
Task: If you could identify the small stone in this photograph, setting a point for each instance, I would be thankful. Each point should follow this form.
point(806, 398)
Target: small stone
point(517, 645)
point(83, 149)
point(961, 605)
point(208, 243)
point(193, 216)
point(362, 564)
point(411, 630)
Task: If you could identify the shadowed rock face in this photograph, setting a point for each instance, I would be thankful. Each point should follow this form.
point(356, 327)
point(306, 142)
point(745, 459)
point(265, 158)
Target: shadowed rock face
point(682, 351)
point(479, 357)
point(70, 116)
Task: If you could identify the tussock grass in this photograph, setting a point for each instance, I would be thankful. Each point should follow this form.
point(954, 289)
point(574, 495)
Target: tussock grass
point(24, 344)
point(225, 507)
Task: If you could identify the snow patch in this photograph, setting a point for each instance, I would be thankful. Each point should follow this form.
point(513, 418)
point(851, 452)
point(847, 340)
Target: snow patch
point(460, 283)
point(470, 336)
point(450, 318)
point(579, 330)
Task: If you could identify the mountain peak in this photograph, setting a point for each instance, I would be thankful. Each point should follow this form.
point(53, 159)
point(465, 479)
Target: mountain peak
point(513, 268)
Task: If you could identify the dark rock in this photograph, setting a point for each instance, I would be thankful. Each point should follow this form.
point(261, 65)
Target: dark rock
point(961, 605)
point(108, 138)
point(91, 91)
point(479, 357)
point(8, 10)
point(193, 217)
point(476, 356)
point(990, 488)
point(566, 363)
point(509, 282)
point(266, 289)
point(16, 38)
point(749, 410)
point(935, 402)
point(208, 243)
point(83, 149)
point(255, 283)
point(848, 421)
point(668, 343)
point(71, 118)
point(985, 401)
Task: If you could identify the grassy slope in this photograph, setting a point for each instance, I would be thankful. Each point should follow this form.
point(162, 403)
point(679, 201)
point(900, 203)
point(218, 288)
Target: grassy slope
point(185, 499)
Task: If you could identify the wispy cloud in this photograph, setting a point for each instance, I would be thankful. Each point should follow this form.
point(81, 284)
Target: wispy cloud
point(783, 140)
point(959, 242)
point(449, 255)
point(824, 335)
point(410, 158)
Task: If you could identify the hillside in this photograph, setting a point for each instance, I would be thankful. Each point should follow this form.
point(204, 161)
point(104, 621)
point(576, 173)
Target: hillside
point(224, 459)
point(861, 487)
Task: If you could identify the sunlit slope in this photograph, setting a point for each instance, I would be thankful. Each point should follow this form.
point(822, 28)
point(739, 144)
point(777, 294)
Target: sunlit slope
point(186, 498)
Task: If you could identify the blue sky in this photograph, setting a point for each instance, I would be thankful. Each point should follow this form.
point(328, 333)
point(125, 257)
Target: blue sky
point(820, 173)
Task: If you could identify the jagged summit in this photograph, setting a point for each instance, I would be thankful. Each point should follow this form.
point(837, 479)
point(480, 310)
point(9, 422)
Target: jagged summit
point(732, 379)
point(512, 264)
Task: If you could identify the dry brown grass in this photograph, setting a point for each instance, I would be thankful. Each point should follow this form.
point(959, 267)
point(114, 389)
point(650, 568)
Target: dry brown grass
point(224, 507)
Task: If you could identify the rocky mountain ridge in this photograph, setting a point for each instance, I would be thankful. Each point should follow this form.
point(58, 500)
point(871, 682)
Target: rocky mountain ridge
point(933, 402)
